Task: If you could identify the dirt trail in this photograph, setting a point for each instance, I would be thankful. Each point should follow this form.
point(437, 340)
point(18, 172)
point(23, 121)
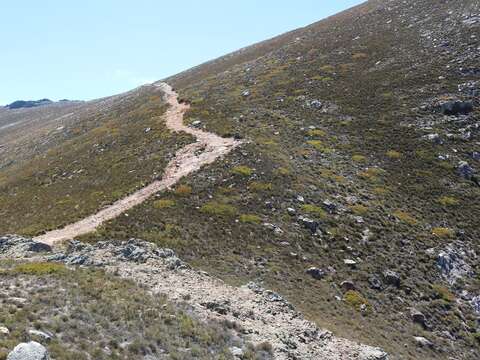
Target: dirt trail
point(191, 158)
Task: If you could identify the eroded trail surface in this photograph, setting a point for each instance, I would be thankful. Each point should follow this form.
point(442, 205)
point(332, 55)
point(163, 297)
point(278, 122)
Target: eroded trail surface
point(192, 157)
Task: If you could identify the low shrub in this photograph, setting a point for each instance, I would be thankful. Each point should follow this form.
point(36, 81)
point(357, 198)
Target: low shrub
point(250, 219)
point(359, 158)
point(242, 170)
point(405, 217)
point(183, 190)
point(260, 186)
point(443, 232)
point(392, 154)
point(164, 204)
point(314, 210)
point(356, 300)
point(448, 201)
point(39, 268)
point(443, 293)
point(218, 209)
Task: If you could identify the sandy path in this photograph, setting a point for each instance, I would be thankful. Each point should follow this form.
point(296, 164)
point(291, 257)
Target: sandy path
point(192, 157)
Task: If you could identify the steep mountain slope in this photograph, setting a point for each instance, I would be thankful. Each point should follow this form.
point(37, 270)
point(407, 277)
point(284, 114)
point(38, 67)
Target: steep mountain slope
point(352, 166)
point(60, 163)
point(355, 194)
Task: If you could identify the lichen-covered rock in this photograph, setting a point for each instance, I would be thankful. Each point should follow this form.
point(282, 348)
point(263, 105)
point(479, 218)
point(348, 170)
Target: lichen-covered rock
point(13, 246)
point(29, 351)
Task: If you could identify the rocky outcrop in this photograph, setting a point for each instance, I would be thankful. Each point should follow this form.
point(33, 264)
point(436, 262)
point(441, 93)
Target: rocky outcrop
point(263, 314)
point(13, 246)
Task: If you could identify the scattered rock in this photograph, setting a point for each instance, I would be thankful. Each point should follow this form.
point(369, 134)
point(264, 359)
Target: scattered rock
point(236, 351)
point(40, 334)
point(329, 206)
point(375, 282)
point(17, 247)
point(29, 351)
point(392, 278)
point(291, 211)
point(196, 123)
point(309, 224)
point(455, 108)
point(316, 273)
point(222, 309)
point(452, 262)
point(475, 302)
point(276, 229)
point(465, 170)
point(350, 262)
point(421, 341)
point(418, 317)
point(373, 354)
point(4, 330)
point(347, 285)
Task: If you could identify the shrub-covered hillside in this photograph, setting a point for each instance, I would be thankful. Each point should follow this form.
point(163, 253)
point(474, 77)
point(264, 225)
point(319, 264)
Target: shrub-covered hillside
point(361, 160)
point(60, 164)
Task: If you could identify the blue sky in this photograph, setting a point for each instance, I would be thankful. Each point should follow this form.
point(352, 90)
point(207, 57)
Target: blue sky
point(93, 48)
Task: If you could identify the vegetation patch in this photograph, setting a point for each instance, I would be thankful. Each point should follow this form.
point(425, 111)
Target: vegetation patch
point(359, 209)
point(183, 190)
point(392, 154)
point(92, 315)
point(357, 301)
point(405, 217)
point(219, 209)
point(314, 210)
point(443, 232)
point(164, 204)
point(316, 133)
point(443, 293)
point(250, 219)
point(39, 268)
point(242, 170)
point(448, 201)
point(260, 186)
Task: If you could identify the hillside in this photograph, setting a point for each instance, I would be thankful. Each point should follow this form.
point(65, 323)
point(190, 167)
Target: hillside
point(355, 194)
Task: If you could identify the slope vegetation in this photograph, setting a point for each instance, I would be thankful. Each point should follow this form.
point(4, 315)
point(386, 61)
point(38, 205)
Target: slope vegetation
point(353, 164)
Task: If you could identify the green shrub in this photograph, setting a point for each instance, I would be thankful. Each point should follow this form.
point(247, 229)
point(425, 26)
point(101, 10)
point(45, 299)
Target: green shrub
point(356, 300)
point(448, 201)
point(242, 170)
point(314, 210)
point(359, 209)
point(392, 154)
point(260, 186)
point(405, 217)
point(359, 158)
point(183, 190)
point(218, 209)
point(163, 204)
point(316, 133)
point(443, 232)
point(39, 268)
point(443, 293)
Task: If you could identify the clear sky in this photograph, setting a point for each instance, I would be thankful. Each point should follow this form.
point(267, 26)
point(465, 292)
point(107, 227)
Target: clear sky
point(87, 49)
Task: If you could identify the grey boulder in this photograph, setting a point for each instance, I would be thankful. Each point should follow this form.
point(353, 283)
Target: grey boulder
point(29, 351)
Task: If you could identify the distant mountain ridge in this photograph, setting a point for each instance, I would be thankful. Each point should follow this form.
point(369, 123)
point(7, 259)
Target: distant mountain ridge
point(23, 104)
